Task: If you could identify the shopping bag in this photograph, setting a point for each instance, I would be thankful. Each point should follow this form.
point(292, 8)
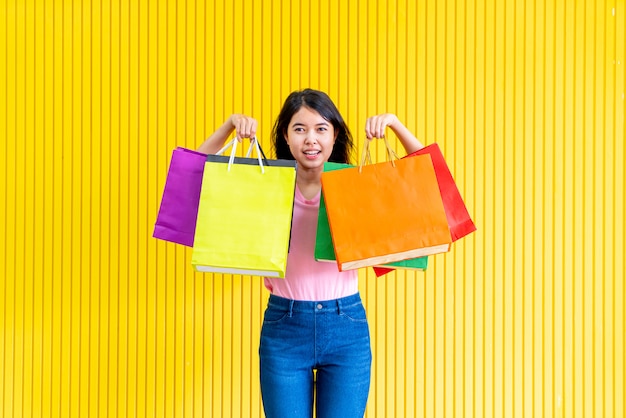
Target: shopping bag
point(391, 211)
point(324, 250)
point(244, 215)
point(176, 219)
point(417, 264)
point(457, 215)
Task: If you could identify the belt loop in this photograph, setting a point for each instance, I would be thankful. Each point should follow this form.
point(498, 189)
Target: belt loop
point(339, 310)
point(291, 308)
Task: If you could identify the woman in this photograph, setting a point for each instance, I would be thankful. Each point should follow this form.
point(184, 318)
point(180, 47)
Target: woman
point(314, 319)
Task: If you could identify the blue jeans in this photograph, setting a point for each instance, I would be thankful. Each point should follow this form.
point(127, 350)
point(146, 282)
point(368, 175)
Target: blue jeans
point(331, 337)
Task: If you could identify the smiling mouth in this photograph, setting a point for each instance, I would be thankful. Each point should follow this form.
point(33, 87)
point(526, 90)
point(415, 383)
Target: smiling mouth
point(312, 152)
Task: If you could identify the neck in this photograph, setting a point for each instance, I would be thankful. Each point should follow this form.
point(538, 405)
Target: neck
point(309, 182)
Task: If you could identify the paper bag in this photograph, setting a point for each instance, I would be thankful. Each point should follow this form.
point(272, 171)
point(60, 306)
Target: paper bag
point(390, 212)
point(176, 220)
point(324, 250)
point(244, 216)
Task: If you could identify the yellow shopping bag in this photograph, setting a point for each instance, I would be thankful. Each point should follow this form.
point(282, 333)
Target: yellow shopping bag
point(244, 215)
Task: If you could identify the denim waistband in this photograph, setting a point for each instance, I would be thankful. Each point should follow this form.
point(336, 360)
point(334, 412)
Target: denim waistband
point(333, 305)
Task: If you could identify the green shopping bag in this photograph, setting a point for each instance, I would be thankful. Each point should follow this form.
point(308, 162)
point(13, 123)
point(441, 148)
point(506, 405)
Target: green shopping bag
point(244, 215)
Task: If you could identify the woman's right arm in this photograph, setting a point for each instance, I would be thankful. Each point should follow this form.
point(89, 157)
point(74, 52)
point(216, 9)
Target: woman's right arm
point(244, 126)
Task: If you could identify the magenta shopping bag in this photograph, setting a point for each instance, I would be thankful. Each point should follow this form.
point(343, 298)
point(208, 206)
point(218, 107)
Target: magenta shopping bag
point(176, 221)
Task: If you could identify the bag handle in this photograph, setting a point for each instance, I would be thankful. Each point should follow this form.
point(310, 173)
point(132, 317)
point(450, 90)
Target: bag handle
point(367, 157)
point(254, 143)
point(228, 145)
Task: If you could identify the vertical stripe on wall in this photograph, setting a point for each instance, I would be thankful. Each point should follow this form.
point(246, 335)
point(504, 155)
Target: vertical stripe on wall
point(525, 317)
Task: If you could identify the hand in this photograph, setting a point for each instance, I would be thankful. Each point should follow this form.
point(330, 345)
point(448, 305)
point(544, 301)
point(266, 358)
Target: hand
point(375, 125)
point(245, 126)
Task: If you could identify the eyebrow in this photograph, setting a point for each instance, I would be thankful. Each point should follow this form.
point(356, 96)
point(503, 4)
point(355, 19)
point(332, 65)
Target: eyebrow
point(317, 124)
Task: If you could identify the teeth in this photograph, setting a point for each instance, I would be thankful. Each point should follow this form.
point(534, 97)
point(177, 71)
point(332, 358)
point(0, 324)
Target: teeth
point(311, 152)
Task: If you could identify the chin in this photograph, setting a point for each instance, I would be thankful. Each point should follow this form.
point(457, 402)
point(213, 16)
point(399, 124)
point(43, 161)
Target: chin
point(308, 164)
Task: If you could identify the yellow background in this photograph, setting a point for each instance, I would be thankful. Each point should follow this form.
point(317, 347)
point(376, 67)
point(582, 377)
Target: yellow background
point(523, 318)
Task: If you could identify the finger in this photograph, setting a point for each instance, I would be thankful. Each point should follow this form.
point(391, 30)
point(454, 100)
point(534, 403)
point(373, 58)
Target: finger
point(375, 128)
point(238, 133)
point(244, 129)
point(368, 131)
point(372, 127)
point(251, 125)
point(379, 128)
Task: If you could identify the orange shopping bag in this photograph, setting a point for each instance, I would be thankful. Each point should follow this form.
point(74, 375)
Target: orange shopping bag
point(391, 211)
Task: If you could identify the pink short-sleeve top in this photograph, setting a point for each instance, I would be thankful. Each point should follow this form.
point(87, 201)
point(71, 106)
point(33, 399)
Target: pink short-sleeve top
point(306, 278)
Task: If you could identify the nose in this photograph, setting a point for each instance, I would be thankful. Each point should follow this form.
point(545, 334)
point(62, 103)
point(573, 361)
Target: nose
point(311, 138)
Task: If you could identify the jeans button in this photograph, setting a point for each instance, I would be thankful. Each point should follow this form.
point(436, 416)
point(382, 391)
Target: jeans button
point(319, 306)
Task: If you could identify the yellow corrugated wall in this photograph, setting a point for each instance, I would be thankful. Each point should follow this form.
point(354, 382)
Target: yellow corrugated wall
point(523, 318)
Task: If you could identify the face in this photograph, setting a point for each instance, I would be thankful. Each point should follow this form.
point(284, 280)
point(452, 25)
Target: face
point(310, 138)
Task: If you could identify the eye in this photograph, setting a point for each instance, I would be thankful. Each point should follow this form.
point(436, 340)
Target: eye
point(322, 129)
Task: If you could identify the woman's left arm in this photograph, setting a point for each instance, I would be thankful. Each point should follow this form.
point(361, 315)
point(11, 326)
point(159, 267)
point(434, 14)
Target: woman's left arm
point(375, 128)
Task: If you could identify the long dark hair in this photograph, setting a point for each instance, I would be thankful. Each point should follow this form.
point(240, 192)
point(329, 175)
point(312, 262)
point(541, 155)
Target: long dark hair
point(322, 104)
